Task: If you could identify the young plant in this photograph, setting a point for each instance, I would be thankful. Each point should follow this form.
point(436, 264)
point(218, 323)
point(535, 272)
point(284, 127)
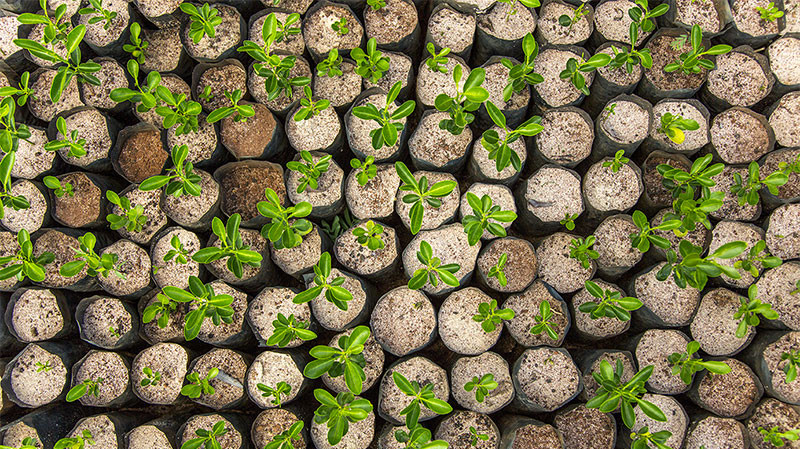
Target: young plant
point(43, 367)
point(198, 386)
point(792, 362)
point(138, 45)
point(611, 305)
point(482, 386)
point(421, 194)
point(334, 292)
point(347, 359)
point(577, 14)
point(16, 202)
point(79, 442)
point(203, 300)
point(337, 413)
point(497, 270)
point(23, 264)
point(569, 221)
point(490, 316)
point(694, 270)
point(482, 212)
point(775, 437)
point(207, 438)
point(27, 443)
point(631, 57)
point(366, 170)
point(87, 257)
point(522, 74)
point(114, 332)
point(464, 102)
point(698, 177)
point(370, 235)
point(71, 141)
point(543, 323)
point(98, 13)
point(437, 62)
point(152, 378)
point(618, 161)
point(340, 26)
point(145, 95)
point(474, 436)
point(282, 232)
point(309, 170)
point(754, 256)
point(581, 250)
point(643, 17)
point(641, 240)
point(59, 190)
point(692, 61)
point(771, 13)
point(747, 191)
point(178, 110)
point(178, 252)
point(499, 149)
point(179, 179)
point(230, 247)
point(420, 396)
point(287, 329)
point(419, 438)
point(204, 21)
point(513, 3)
point(338, 225)
point(685, 365)
point(240, 112)
point(284, 440)
point(749, 311)
point(281, 388)
point(88, 386)
point(613, 393)
point(22, 92)
point(642, 438)
point(331, 66)
point(433, 270)
point(371, 64)
point(132, 218)
point(390, 127)
point(577, 67)
point(308, 107)
point(376, 4)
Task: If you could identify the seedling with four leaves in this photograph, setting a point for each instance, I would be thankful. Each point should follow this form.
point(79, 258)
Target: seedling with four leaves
point(490, 316)
point(613, 393)
point(685, 365)
point(346, 359)
point(285, 439)
point(132, 219)
point(366, 170)
point(482, 212)
point(309, 169)
point(287, 329)
point(59, 189)
point(152, 378)
point(371, 64)
point(207, 438)
point(197, 385)
point(240, 112)
point(340, 26)
point(482, 386)
point(499, 149)
point(179, 179)
point(230, 247)
point(333, 290)
point(543, 323)
point(577, 67)
point(24, 264)
point(771, 13)
point(611, 305)
point(370, 235)
point(376, 4)
point(692, 61)
point(43, 367)
point(88, 386)
point(432, 270)
point(337, 413)
point(281, 389)
point(420, 396)
point(331, 66)
point(421, 194)
point(204, 21)
point(69, 139)
point(96, 265)
point(287, 228)
point(308, 107)
point(497, 270)
point(569, 221)
point(619, 160)
point(749, 311)
point(581, 250)
point(467, 100)
point(437, 62)
point(521, 75)
point(792, 359)
point(389, 127)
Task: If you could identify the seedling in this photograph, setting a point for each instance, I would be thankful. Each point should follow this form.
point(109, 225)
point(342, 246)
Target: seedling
point(98, 13)
point(288, 329)
point(490, 316)
point(371, 64)
point(201, 299)
point(482, 386)
point(792, 362)
point(70, 140)
point(178, 252)
point(370, 235)
point(281, 388)
point(347, 359)
point(114, 332)
point(611, 305)
point(152, 378)
point(673, 126)
point(643, 17)
point(43, 367)
point(482, 212)
point(421, 194)
point(376, 4)
point(138, 45)
point(698, 177)
point(287, 29)
point(390, 127)
point(22, 92)
point(747, 191)
point(197, 385)
point(613, 393)
point(420, 396)
point(366, 170)
point(642, 438)
point(513, 3)
point(619, 160)
point(145, 95)
point(796, 288)
point(75, 442)
point(334, 292)
point(577, 67)
point(755, 257)
point(577, 14)
point(178, 110)
point(771, 13)
point(337, 413)
point(569, 221)
point(694, 270)
point(24, 264)
point(775, 437)
point(790, 167)
point(499, 149)
point(288, 226)
point(59, 190)
point(207, 438)
point(433, 270)
point(132, 218)
point(179, 179)
point(581, 249)
point(27, 443)
point(437, 62)
point(16, 202)
point(163, 308)
point(467, 99)
point(645, 236)
point(309, 169)
point(331, 66)
point(11, 132)
point(88, 386)
point(692, 61)
point(522, 74)
point(340, 26)
point(204, 21)
point(419, 438)
point(338, 225)
point(240, 112)
point(497, 270)
point(750, 309)
point(543, 323)
point(230, 247)
point(87, 257)
point(284, 440)
point(685, 365)
point(631, 57)
point(308, 107)
point(474, 436)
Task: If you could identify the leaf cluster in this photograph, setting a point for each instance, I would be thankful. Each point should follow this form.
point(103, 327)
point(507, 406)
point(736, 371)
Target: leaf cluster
point(389, 127)
point(87, 257)
point(421, 194)
point(467, 100)
point(749, 311)
point(370, 64)
point(197, 385)
point(333, 290)
point(309, 169)
point(24, 264)
point(287, 329)
point(432, 270)
point(499, 149)
point(611, 305)
point(692, 61)
point(132, 219)
point(370, 235)
point(490, 316)
point(287, 226)
point(337, 413)
point(685, 365)
point(346, 358)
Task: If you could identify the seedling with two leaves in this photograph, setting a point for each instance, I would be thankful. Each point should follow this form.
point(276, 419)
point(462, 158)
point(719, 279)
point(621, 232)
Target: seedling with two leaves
point(96, 265)
point(88, 386)
point(694, 269)
point(747, 191)
point(616, 164)
point(755, 258)
point(285, 439)
point(581, 250)
point(389, 126)
point(421, 194)
point(79, 442)
point(613, 393)
point(70, 140)
point(309, 169)
point(432, 270)
point(420, 396)
point(775, 437)
point(611, 305)
point(692, 61)
point(281, 389)
point(199, 386)
point(437, 62)
point(151, 378)
point(204, 21)
point(337, 413)
point(497, 270)
point(286, 329)
point(521, 75)
point(287, 226)
point(577, 67)
point(207, 438)
point(567, 21)
point(749, 311)
point(685, 365)
point(371, 65)
point(132, 219)
point(792, 359)
point(543, 323)
point(482, 212)
point(467, 100)
point(365, 170)
point(59, 190)
point(346, 359)
point(499, 149)
point(370, 235)
point(482, 386)
point(333, 290)
point(179, 179)
point(240, 112)
point(490, 316)
point(24, 264)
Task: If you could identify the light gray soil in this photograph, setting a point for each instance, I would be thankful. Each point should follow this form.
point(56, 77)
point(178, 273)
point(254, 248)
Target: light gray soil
point(448, 243)
point(677, 421)
point(269, 368)
point(392, 401)
point(611, 21)
point(39, 103)
point(30, 219)
point(675, 306)
point(358, 129)
point(265, 307)
point(628, 124)
point(36, 315)
point(602, 327)
point(228, 385)
point(228, 35)
point(108, 366)
point(772, 413)
point(251, 238)
point(717, 432)
point(459, 332)
point(777, 284)
point(653, 348)
point(731, 210)
point(437, 146)
point(217, 335)
point(585, 428)
point(781, 54)
point(467, 368)
point(789, 391)
point(231, 438)
point(272, 422)
point(608, 191)
point(359, 436)
point(147, 437)
point(327, 313)
point(361, 260)
point(739, 79)
point(172, 272)
point(329, 189)
point(432, 217)
point(546, 378)
point(526, 307)
point(91, 126)
point(168, 359)
point(739, 136)
point(292, 44)
point(555, 91)
point(431, 84)
point(552, 31)
point(164, 50)
point(552, 192)
point(480, 162)
point(102, 33)
point(614, 243)
point(500, 196)
point(496, 80)
point(731, 231)
point(100, 316)
point(783, 233)
point(694, 139)
point(339, 90)
point(104, 432)
point(452, 29)
point(500, 23)
point(301, 258)
point(376, 198)
point(400, 65)
point(714, 325)
point(590, 385)
point(403, 321)
point(321, 37)
point(456, 429)
point(133, 266)
point(32, 159)
point(315, 133)
point(33, 388)
point(556, 268)
point(747, 19)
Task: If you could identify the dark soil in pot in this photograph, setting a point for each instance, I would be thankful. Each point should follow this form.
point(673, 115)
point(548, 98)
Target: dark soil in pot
point(526, 307)
point(782, 236)
point(590, 363)
point(34, 217)
point(172, 272)
point(269, 368)
point(687, 109)
point(768, 414)
point(114, 390)
point(658, 84)
point(500, 196)
point(710, 430)
point(453, 29)
point(111, 76)
point(467, 368)
point(373, 359)
point(228, 384)
point(430, 84)
point(519, 432)
point(170, 360)
point(243, 185)
point(740, 136)
point(255, 138)
point(557, 269)
point(655, 194)
point(358, 258)
point(40, 105)
point(133, 266)
point(450, 244)
point(729, 395)
point(730, 231)
point(545, 379)
point(33, 315)
point(156, 218)
point(663, 303)
point(272, 422)
point(320, 37)
point(165, 51)
point(376, 198)
point(715, 327)
point(391, 401)
point(327, 199)
point(777, 284)
point(677, 420)
point(139, 153)
point(457, 428)
point(730, 209)
point(228, 35)
point(432, 218)
point(551, 193)
point(224, 77)
point(520, 268)
point(85, 207)
point(459, 332)
point(434, 148)
point(252, 277)
point(263, 310)
point(550, 32)
point(30, 386)
point(613, 244)
point(340, 90)
point(301, 259)
point(358, 130)
point(600, 328)
point(481, 168)
point(652, 348)
point(586, 428)
point(403, 321)
point(554, 91)
point(151, 332)
point(107, 322)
